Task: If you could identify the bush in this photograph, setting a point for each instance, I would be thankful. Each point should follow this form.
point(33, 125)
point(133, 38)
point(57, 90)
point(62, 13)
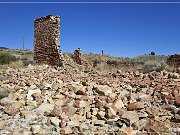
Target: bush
point(96, 62)
point(3, 91)
point(152, 53)
point(6, 58)
point(26, 62)
point(150, 66)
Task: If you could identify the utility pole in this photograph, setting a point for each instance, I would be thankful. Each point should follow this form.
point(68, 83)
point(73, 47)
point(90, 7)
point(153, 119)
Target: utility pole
point(23, 41)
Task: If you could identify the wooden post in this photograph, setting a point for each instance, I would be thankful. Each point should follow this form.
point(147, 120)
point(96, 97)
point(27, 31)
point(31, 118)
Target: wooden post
point(23, 41)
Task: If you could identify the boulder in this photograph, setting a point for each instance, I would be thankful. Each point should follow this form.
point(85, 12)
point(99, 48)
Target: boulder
point(177, 100)
point(103, 90)
point(110, 113)
point(67, 130)
point(55, 121)
point(45, 108)
point(69, 110)
point(2, 124)
point(132, 116)
point(135, 106)
point(36, 129)
point(118, 104)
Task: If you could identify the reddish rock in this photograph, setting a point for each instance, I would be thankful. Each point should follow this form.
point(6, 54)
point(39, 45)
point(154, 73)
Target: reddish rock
point(158, 88)
point(169, 98)
point(81, 103)
point(100, 104)
point(56, 111)
point(177, 100)
point(103, 98)
point(152, 111)
point(135, 106)
point(156, 127)
point(175, 91)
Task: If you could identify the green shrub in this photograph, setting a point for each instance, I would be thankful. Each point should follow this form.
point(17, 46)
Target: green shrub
point(96, 62)
point(6, 58)
point(3, 91)
point(150, 66)
point(26, 62)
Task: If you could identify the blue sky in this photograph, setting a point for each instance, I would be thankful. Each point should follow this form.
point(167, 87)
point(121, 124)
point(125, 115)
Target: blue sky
point(126, 30)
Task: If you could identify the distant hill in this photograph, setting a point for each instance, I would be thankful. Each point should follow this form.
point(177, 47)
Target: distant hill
point(4, 48)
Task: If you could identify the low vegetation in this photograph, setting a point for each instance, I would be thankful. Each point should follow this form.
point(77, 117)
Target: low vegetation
point(6, 58)
point(145, 63)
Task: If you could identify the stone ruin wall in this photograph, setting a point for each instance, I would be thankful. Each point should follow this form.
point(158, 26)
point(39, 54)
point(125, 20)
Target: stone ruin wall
point(47, 40)
point(174, 60)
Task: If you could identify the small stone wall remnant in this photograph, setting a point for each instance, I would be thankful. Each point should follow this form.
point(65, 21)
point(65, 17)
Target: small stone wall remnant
point(77, 56)
point(47, 40)
point(174, 60)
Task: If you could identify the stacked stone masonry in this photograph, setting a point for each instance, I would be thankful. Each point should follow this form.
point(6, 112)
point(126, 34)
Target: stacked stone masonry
point(47, 40)
point(174, 60)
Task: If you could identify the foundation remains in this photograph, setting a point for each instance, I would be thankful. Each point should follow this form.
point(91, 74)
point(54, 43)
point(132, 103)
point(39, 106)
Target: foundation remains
point(47, 40)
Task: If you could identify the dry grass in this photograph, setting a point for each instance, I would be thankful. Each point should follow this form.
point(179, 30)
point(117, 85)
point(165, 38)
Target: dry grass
point(16, 64)
point(105, 63)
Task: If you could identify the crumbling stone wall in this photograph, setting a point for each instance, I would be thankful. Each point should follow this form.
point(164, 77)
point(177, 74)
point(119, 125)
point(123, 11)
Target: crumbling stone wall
point(174, 60)
point(47, 40)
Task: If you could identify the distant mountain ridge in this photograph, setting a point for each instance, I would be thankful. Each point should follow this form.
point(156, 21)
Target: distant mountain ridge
point(3, 47)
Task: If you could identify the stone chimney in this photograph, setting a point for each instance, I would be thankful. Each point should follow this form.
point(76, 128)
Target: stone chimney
point(47, 40)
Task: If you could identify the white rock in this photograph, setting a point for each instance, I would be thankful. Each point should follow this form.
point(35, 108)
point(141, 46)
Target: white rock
point(31, 92)
point(2, 124)
point(47, 86)
point(82, 103)
point(36, 129)
point(118, 104)
point(103, 90)
point(45, 108)
point(55, 121)
point(131, 115)
point(99, 122)
point(94, 111)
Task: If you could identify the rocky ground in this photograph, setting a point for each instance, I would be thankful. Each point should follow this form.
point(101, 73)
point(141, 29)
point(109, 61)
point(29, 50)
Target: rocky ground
point(45, 100)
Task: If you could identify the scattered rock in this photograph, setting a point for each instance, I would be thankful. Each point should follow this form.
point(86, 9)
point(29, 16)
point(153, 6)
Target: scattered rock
point(99, 123)
point(36, 129)
point(2, 124)
point(118, 104)
point(157, 127)
point(102, 90)
point(31, 92)
point(57, 111)
point(69, 110)
point(56, 86)
point(135, 106)
point(173, 75)
point(45, 108)
point(81, 103)
point(11, 110)
point(88, 100)
point(110, 113)
point(132, 116)
point(55, 121)
point(177, 100)
point(128, 131)
point(101, 115)
point(67, 130)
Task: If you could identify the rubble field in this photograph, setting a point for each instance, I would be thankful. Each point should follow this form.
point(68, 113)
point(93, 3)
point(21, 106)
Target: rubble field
point(41, 99)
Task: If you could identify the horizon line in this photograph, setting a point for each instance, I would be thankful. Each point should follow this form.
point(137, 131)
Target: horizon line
point(89, 2)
